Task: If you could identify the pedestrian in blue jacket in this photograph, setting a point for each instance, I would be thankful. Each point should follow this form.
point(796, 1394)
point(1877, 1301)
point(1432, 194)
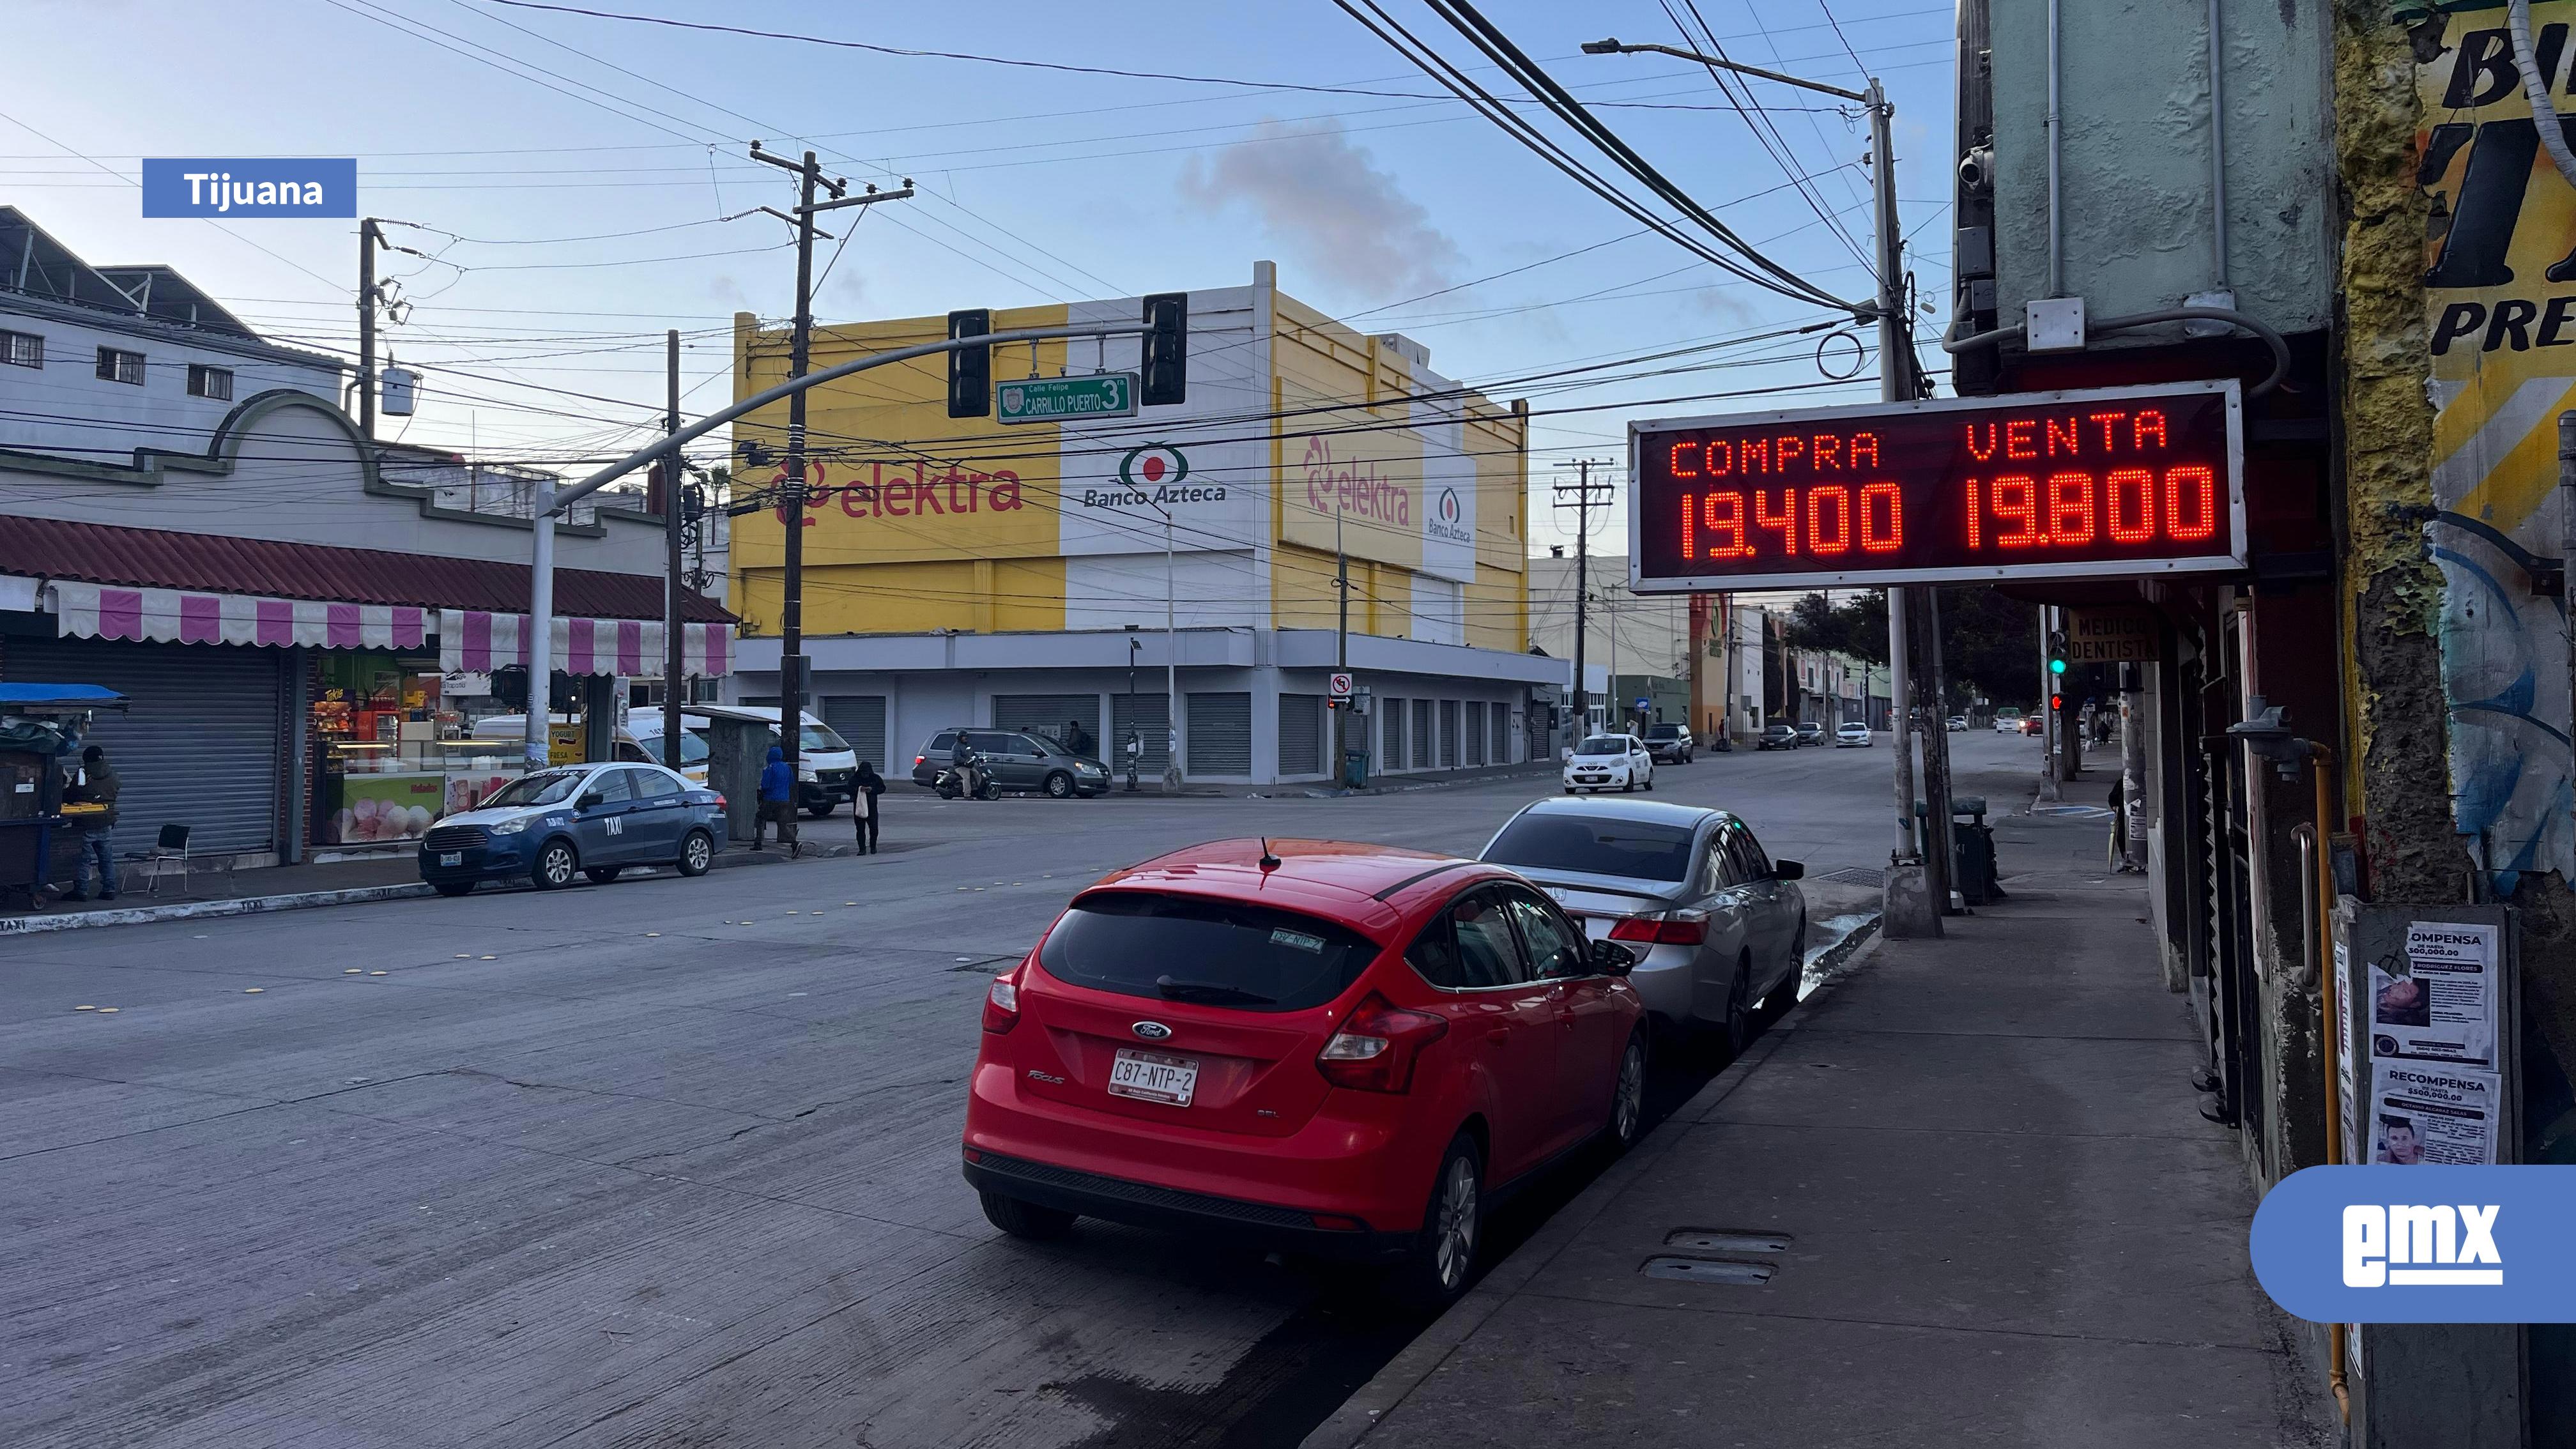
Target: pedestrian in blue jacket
point(777, 802)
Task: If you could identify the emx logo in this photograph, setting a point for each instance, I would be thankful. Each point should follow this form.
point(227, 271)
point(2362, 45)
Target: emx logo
point(2420, 1244)
point(2438, 1243)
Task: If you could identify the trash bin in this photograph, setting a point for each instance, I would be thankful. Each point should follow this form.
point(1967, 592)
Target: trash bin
point(1355, 769)
point(1972, 850)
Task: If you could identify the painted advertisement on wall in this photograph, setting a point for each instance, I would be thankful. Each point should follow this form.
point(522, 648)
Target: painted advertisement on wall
point(2501, 321)
point(891, 478)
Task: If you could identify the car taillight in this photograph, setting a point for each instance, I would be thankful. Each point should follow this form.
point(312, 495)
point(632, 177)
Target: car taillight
point(1002, 1006)
point(1376, 1048)
point(1663, 928)
point(720, 802)
point(917, 761)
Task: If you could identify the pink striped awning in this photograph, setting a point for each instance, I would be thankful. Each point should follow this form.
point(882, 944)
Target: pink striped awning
point(474, 640)
point(468, 639)
point(175, 616)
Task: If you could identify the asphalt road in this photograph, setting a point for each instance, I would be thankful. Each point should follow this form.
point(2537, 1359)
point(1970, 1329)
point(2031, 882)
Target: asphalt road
point(662, 1162)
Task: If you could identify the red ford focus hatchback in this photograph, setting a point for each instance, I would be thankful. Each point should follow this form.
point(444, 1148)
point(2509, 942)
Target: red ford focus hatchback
point(1343, 1050)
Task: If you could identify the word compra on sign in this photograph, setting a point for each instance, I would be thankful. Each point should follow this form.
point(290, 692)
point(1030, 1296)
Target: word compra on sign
point(2101, 483)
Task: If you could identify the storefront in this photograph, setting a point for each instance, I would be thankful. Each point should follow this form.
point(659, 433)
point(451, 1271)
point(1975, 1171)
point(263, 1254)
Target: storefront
point(272, 726)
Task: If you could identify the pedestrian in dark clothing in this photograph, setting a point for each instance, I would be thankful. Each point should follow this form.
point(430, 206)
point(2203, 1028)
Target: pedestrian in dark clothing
point(777, 802)
point(865, 787)
point(97, 785)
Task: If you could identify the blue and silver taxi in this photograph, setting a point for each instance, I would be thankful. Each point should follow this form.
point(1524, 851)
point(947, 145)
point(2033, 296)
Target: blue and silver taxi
point(593, 820)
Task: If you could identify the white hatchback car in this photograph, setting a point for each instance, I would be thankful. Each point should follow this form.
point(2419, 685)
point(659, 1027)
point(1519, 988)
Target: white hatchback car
point(1610, 762)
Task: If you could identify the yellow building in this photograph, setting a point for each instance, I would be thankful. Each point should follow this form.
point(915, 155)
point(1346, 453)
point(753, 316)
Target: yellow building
point(989, 574)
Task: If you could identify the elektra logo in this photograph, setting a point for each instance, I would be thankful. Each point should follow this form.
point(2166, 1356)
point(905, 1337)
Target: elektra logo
point(2440, 1240)
point(2420, 1244)
point(250, 187)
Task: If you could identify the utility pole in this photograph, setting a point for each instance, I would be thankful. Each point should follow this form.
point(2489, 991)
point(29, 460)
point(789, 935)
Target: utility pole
point(1909, 913)
point(791, 608)
point(370, 237)
point(674, 681)
point(1582, 718)
point(1171, 672)
point(1341, 644)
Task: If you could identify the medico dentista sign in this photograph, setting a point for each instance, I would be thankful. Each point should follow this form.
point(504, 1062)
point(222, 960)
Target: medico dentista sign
point(250, 187)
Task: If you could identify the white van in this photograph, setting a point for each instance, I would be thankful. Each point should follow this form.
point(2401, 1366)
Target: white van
point(826, 766)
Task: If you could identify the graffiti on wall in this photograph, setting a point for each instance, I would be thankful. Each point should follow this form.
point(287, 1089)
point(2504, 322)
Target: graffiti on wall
point(2500, 304)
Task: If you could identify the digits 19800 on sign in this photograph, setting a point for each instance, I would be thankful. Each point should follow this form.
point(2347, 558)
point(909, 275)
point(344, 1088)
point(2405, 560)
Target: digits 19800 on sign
point(2103, 483)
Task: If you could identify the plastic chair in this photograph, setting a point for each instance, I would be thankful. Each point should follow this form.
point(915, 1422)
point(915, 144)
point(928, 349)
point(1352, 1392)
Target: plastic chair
point(171, 848)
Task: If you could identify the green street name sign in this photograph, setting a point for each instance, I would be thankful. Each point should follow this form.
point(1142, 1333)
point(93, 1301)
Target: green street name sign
point(1057, 399)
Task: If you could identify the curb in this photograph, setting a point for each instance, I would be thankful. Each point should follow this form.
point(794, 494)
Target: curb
point(30, 925)
point(200, 910)
point(1361, 1413)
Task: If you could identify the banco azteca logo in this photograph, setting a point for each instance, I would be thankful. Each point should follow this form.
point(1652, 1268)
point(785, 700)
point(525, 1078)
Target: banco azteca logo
point(1448, 505)
point(2428, 1245)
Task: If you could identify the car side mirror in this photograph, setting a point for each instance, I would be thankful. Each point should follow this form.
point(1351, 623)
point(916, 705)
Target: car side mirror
point(1788, 870)
point(589, 800)
point(1613, 958)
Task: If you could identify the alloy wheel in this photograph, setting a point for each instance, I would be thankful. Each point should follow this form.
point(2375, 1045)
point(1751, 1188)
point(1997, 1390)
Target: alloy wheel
point(696, 854)
point(1455, 1248)
point(557, 863)
point(1630, 1105)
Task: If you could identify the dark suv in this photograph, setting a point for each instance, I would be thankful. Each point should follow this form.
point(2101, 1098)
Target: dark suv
point(1670, 742)
point(1020, 760)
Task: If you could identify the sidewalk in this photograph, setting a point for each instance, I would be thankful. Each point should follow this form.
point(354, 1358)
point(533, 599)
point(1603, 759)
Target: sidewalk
point(2002, 1219)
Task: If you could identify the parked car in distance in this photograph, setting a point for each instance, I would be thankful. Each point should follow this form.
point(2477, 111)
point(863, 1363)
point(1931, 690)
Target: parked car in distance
point(1956, 724)
point(594, 820)
point(1777, 737)
point(2030, 725)
point(1610, 762)
point(1853, 732)
point(1720, 929)
point(1026, 761)
point(2007, 721)
point(1671, 742)
point(1349, 1051)
point(1810, 733)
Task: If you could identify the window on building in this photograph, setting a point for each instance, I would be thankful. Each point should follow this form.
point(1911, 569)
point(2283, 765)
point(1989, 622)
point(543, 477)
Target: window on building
point(116, 366)
point(213, 382)
point(22, 349)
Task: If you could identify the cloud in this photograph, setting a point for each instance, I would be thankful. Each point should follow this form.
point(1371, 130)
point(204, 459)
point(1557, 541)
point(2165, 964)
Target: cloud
point(1336, 213)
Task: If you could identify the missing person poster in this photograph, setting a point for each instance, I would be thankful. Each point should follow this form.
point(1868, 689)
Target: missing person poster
point(2428, 1112)
point(2438, 1001)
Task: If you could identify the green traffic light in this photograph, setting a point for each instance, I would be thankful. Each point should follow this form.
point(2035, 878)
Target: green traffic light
point(2057, 666)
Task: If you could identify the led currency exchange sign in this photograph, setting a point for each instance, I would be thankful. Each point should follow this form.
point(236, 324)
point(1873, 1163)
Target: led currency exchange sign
point(2105, 483)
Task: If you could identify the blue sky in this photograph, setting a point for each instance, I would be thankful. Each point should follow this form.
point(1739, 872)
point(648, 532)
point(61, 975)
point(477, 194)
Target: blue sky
point(566, 172)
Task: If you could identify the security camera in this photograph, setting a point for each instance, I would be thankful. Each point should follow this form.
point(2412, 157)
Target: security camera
point(1977, 170)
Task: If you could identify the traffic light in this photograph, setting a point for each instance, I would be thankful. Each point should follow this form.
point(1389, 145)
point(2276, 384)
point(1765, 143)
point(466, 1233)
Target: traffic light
point(970, 369)
point(1167, 350)
point(2057, 702)
point(2056, 658)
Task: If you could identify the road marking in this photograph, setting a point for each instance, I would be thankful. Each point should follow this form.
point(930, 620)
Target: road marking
point(652, 933)
point(487, 958)
point(388, 973)
point(107, 1011)
point(253, 990)
point(84, 1008)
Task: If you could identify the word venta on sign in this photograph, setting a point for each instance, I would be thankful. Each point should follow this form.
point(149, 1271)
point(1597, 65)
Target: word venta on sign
point(2098, 483)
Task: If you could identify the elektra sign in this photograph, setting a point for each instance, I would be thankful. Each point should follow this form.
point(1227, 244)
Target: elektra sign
point(2420, 1244)
point(250, 187)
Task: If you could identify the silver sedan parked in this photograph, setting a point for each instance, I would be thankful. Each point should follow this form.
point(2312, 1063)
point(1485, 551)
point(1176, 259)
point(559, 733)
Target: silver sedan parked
point(1719, 927)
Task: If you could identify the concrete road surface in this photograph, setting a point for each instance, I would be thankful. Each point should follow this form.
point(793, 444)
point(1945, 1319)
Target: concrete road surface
point(662, 1162)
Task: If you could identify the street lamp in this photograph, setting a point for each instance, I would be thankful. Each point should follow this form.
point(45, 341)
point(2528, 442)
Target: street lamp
point(1895, 384)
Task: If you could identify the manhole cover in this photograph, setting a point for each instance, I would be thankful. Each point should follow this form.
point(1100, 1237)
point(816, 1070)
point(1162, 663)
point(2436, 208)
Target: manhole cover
point(1855, 875)
point(1709, 1270)
point(1724, 1240)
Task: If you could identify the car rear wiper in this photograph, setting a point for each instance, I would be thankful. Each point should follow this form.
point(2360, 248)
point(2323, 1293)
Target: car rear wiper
point(1211, 992)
